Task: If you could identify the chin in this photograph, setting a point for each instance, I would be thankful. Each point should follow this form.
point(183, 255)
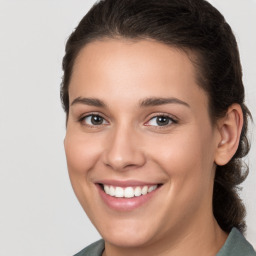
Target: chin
point(127, 235)
point(128, 240)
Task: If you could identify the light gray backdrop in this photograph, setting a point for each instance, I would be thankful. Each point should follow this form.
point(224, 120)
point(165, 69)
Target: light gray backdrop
point(39, 214)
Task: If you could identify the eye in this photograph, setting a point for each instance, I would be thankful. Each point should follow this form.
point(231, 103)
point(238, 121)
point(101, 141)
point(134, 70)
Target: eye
point(93, 120)
point(161, 120)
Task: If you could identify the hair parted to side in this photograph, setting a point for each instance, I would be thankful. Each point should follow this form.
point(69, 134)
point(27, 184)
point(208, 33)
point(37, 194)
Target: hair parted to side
point(196, 27)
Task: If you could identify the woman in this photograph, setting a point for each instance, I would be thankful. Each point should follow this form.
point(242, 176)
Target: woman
point(156, 128)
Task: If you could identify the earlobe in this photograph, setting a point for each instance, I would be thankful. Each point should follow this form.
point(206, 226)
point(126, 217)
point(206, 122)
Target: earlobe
point(229, 128)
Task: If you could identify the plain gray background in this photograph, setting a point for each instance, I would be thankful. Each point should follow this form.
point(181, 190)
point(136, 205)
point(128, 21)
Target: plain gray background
point(39, 214)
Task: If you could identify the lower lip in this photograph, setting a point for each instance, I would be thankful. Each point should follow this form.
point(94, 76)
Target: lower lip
point(125, 204)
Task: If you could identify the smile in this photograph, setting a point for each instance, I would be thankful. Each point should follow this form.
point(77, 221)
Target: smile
point(126, 196)
point(128, 192)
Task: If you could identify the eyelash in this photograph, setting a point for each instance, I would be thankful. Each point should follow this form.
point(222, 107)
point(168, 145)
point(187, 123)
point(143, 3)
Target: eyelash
point(170, 120)
point(82, 120)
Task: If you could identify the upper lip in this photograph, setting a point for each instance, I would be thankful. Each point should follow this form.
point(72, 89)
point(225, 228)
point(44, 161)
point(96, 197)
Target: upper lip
point(126, 183)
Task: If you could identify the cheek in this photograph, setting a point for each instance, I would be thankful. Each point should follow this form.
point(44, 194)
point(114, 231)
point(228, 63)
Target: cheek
point(178, 152)
point(188, 165)
point(81, 154)
point(186, 158)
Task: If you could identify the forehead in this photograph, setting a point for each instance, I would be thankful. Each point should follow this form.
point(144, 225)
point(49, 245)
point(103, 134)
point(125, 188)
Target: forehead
point(133, 52)
point(133, 67)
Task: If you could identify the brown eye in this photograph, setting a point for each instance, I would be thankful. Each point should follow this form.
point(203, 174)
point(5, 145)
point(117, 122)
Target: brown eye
point(94, 120)
point(161, 121)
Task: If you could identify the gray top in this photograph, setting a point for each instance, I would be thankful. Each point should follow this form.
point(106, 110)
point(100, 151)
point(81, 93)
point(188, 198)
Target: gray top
point(235, 245)
point(95, 249)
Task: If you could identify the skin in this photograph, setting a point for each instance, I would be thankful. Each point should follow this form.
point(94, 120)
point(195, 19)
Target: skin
point(130, 145)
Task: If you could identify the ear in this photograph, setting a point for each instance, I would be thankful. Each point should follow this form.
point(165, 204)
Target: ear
point(229, 128)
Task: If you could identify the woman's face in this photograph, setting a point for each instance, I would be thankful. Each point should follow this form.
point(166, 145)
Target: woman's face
point(140, 145)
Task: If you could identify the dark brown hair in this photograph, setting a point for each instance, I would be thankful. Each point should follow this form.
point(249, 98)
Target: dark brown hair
point(193, 26)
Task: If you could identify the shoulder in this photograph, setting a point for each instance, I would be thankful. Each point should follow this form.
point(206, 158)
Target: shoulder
point(94, 249)
point(236, 245)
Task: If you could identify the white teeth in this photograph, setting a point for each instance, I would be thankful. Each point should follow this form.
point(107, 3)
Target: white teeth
point(128, 192)
point(144, 190)
point(111, 191)
point(152, 188)
point(106, 189)
point(137, 191)
point(119, 192)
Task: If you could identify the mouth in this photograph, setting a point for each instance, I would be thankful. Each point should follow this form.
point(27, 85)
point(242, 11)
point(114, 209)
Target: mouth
point(127, 196)
point(129, 191)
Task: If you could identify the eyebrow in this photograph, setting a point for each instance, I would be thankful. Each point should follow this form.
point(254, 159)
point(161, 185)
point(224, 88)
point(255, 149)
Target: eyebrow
point(88, 101)
point(161, 101)
point(148, 102)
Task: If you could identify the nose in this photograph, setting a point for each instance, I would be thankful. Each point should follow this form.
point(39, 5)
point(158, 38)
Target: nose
point(124, 150)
